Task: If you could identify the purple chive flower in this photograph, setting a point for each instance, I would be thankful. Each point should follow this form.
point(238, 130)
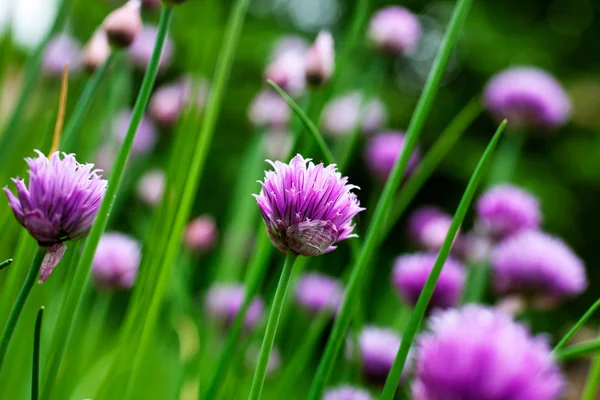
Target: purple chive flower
point(269, 109)
point(145, 137)
point(141, 49)
point(320, 59)
point(506, 209)
point(151, 186)
point(382, 152)
point(59, 204)
point(60, 51)
point(307, 208)
point(169, 101)
point(223, 302)
point(395, 30)
point(116, 261)
point(411, 272)
point(378, 348)
point(428, 227)
point(535, 263)
point(291, 43)
point(201, 234)
point(528, 97)
point(317, 292)
point(346, 392)
point(344, 114)
point(477, 352)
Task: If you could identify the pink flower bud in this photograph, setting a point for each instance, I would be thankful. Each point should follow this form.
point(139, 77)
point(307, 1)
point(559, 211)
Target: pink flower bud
point(96, 51)
point(287, 71)
point(123, 24)
point(319, 60)
point(201, 234)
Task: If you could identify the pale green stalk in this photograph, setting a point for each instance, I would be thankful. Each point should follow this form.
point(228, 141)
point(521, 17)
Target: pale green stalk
point(74, 298)
point(354, 286)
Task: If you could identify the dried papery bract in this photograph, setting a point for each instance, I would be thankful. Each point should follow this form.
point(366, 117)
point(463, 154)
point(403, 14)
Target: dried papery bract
point(123, 24)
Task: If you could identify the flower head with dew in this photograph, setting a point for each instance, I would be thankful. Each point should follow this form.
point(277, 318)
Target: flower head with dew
point(506, 209)
point(116, 261)
point(475, 353)
point(59, 204)
point(428, 227)
point(346, 392)
point(412, 270)
point(537, 264)
point(395, 30)
point(528, 97)
point(382, 152)
point(317, 292)
point(307, 208)
point(224, 301)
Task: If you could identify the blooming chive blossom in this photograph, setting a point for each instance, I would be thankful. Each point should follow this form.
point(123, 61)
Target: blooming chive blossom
point(428, 227)
point(395, 30)
point(169, 101)
point(411, 272)
point(346, 392)
point(535, 263)
point(319, 60)
point(307, 208)
point(142, 47)
point(480, 353)
point(528, 97)
point(382, 152)
point(506, 209)
point(269, 109)
point(201, 234)
point(116, 261)
point(345, 113)
point(59, 204)
point(60, 51)
point(223, 302)
point(151, 187)
point(317, 292)
point(145, 137)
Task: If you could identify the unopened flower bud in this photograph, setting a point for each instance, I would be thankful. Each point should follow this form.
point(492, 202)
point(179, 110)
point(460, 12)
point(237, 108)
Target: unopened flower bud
point(319, 61)
point(395, 30)
point(201, 234)
point(96, 51)
point(123, 24)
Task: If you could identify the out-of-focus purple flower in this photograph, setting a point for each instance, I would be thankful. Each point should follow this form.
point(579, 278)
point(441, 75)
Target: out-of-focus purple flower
point(151, 186)
point(382, 152)
point(274, 363)
point(116, 261)
point(278, 143)
point(223, 302)
point(506, 209)
point(291, 43)
point(123, 24)
point(141, 49)
point(378, 349)
point(317, 292)
point(201, 234)
point(535, 263)
point(480, 353)
point(528, 97)
point(269, 109)
point(169, 101)
point(411, 272)
point(344, 114)
point(145, 137)
point(320, 59)
point(307, 208)
point(60, 51)
point(395, 30)
point(287, 71)
point(96, 51)
point(346, 392)
point(428, 227)
point(59, 204)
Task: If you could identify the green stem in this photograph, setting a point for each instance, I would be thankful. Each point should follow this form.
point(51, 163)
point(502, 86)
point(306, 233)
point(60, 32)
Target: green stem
point(15, 313)
point(75, 296)
point(83, 104)
point(393, 379)
point(576, 327)
point(579, 350)
point(271, 330)
point(35, 376)
point(593, 379)
point(417, 121)
point(5, 263)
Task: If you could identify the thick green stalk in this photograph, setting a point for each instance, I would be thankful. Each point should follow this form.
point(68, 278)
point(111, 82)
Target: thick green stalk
point(15, 313)
point(213, 107)
point(576, 327)
point(580, 350)
point(35, 370)
point(72, 127)
point(393, 379)
point(271, 330)
point(75, 296)
point(373, 234)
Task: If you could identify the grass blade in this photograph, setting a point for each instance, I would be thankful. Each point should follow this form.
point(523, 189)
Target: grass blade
point(579, 350)
point(420, 308)
point(35, 376)
point(576, 327)
point(5, 263)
